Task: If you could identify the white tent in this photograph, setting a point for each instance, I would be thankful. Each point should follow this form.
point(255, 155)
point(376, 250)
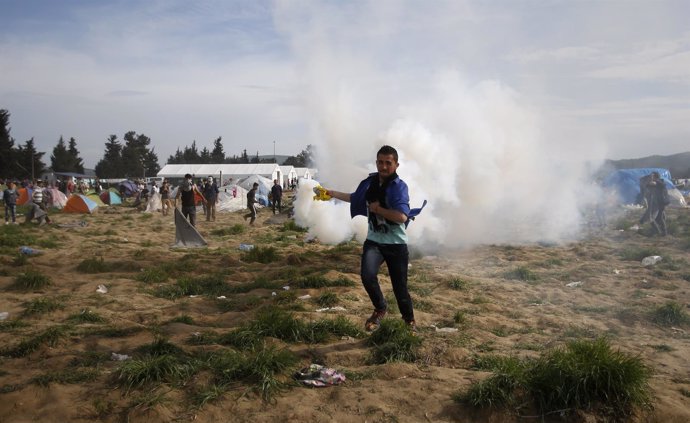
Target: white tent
point(289, 173)
point(232, 198)
point(265, 185)
point(303, 172)
point(223, 172)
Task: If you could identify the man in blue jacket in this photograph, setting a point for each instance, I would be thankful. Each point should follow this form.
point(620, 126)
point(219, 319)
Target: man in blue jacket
point(383, 197)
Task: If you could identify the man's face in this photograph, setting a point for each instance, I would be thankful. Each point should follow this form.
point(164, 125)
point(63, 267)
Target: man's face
point(386, 165)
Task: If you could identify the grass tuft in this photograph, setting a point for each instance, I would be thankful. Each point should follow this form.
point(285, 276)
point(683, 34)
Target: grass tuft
point(30, 280)
point(393, 341)
point(262, 255)
point(42, 305)
point(50, 337)
point(670, 314)
point(586, 375)
point(522, 273)
point(86, 316)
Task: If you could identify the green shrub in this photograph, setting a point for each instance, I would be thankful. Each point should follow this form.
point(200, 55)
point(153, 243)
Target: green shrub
point(670, 314)
point(522, 273)
point(150, 370)
point(290, 225)
point(86, 316)
point(153, 275)
point(638, 253)
point(42, 305)
point(30, 280)
point(235, 229)
point(50, 337)
point(263, 255)
point(322, 282)
point(587, 375)
point(393, 341)
point(327, 299)
point(458, 284)
point(68, 376)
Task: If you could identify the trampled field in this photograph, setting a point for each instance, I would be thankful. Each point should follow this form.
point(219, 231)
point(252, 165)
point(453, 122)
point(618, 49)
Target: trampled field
point(215, 334)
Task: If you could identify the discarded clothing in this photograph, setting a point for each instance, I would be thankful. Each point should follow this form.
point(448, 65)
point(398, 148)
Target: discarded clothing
point(319, 376)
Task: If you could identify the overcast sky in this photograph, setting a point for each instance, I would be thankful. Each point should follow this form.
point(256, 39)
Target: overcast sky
point(593, 78)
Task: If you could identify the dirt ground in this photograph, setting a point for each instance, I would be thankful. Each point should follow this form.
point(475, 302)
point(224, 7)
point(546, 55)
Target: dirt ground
point(512, 300)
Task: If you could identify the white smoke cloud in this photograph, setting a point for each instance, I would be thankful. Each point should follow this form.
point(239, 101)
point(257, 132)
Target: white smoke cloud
point(474, 148)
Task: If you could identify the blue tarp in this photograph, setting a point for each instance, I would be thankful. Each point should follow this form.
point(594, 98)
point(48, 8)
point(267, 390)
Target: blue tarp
point(626, 182)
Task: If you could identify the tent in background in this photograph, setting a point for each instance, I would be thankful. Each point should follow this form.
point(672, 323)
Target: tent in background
point(265, 185)
point(129, 188)
point(626, 184)
point(96, 199)
point(58, 198)
point(78, 203)
point(232, 198)
point(110, 197)
point(23, 196)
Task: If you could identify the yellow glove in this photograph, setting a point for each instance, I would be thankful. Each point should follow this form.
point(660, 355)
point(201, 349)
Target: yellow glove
point(321, 193)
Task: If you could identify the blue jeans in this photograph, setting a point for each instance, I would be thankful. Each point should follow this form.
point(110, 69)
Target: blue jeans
point(396, 257)
point(10, 210)
point(190, 213)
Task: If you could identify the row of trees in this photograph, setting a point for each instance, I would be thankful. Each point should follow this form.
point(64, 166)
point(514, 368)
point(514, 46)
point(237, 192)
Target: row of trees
point(192, 155)
point(24, 162)
point(133, 157)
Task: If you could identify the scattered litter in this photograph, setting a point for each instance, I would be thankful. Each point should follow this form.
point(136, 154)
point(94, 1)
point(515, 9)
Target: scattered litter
point(445, 330)
point(4, 315)
point(119, 357)
point(246, 247)
point(573, 284)
point(304, 297)
point(28, 251)
point(193, 296)
point(286, 287)
point(273, 294)
point(102, 289)
point(336, 308)
point(319, 376)
point(291, 237)
point(222, 297)
point(79, 224)
point(346, 338)
point(679, 330)
point(616, 271)
point(125, 240)
point(635, 228)
point(651, 260)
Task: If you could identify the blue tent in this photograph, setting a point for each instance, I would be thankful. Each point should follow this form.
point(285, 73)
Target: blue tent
point(129, 188)
point(110, 197)
point(626, 182)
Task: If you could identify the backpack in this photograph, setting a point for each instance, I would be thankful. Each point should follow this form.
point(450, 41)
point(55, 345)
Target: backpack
point(665, 199)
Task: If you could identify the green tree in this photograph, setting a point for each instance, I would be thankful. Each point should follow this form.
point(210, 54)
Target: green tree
point(8, 167)
point(191, 154)
point(111, 166)
point(217, 154)
point(304, 159)
point(77, 162)
point(137, 159)
point(205, 156)
point(61, 160)
point(29, 161)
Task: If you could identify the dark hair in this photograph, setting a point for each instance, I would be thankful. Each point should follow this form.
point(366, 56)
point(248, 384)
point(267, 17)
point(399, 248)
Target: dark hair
point(187, 176)
point(388, 150)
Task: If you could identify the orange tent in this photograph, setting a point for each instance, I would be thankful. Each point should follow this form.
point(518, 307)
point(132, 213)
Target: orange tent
point(24, 196)
point(78, 203)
